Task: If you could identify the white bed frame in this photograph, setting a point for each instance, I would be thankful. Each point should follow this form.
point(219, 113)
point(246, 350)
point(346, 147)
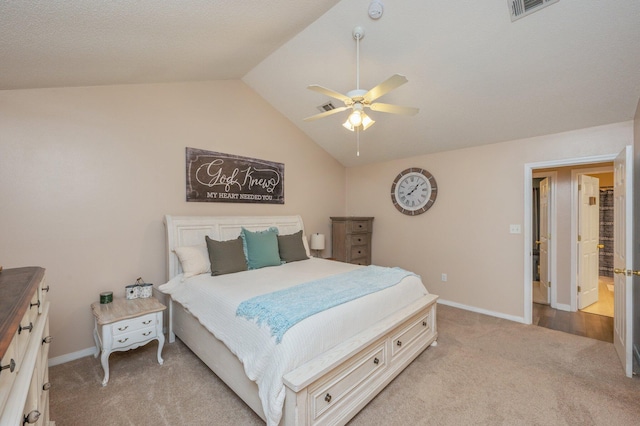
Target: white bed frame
point(334, 386)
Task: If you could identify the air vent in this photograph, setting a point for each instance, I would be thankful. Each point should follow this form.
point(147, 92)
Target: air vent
point(521, 8)
point(326, 107)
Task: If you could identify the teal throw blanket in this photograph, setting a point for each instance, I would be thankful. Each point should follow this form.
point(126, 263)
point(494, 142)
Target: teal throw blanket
point(283, 309)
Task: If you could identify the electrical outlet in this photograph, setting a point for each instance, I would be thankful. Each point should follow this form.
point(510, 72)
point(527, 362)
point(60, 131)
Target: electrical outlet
point(444, 277)
point(515, 229)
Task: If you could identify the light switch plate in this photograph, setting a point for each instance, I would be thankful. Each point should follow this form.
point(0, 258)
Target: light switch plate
point(515, 229)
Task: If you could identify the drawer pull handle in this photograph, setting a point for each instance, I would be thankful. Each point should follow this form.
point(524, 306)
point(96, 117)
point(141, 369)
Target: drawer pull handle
point(11, 366)
point(46, 386)
point(147, 322)
point(26, 327)
point(424, 323)
point(399, 343)
point(45, 289)
point(123, 340)
point(146, 334)
point(47, 339)
point(32, 417)
point(327, 397)
point(376, 361)
point(31, 305)
point(123, 328)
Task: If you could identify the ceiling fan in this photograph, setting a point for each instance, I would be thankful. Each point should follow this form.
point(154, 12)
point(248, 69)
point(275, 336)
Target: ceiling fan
point(358, 99)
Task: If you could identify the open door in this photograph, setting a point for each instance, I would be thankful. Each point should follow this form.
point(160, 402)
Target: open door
point(622, 257)
point(588, 240)
point(543, 245)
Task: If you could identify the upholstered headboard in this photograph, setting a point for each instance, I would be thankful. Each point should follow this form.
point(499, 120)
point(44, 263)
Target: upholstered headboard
point(191, 230)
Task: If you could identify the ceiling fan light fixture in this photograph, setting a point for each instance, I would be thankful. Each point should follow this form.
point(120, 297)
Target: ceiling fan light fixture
point(358, 120)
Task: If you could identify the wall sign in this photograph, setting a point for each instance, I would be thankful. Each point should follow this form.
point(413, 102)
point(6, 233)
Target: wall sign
point(224, 178)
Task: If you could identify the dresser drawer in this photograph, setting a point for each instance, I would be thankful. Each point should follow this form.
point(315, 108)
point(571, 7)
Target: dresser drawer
point(410, 334)
point(127, 326)
point(25, 329)
point(358, 239)
point(137, 336)
point(355, 372)
point(355, 226)
point(358, 252)
point(9, 373)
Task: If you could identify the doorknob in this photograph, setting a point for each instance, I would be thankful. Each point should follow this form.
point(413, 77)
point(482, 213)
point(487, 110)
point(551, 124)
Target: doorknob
point(619, 271)
point(600, 246)
point(537, 242)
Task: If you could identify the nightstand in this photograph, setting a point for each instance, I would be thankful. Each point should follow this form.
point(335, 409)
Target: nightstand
point(126, 324)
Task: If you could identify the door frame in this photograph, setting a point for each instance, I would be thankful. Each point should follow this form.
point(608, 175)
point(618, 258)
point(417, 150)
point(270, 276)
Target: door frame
point(575, 176)
point(528, 189)
point(553, 230)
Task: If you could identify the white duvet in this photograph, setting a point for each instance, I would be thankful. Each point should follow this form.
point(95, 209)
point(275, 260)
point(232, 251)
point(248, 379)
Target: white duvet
point(214, 300)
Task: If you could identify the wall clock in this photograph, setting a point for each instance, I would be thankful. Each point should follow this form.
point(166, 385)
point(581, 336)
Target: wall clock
point(414, 191)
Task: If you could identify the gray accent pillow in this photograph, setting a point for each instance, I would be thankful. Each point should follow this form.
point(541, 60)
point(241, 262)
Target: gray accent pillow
point(226, 257)
point(291, 247)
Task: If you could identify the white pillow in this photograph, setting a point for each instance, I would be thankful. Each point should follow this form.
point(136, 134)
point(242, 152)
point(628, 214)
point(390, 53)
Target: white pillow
point(193, 259)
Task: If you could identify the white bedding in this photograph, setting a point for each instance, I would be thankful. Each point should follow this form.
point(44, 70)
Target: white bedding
point(214, 300)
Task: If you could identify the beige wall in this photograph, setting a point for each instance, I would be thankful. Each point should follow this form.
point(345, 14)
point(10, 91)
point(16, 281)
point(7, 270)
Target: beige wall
point(466, 233)
point(87, 174)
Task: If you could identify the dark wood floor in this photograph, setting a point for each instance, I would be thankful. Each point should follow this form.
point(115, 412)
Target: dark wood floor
point(581, 323)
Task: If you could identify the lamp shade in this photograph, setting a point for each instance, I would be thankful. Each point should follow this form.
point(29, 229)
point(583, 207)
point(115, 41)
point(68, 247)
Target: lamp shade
point(317, 241)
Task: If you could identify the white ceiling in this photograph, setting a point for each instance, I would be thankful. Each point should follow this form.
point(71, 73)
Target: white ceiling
point(477, 77)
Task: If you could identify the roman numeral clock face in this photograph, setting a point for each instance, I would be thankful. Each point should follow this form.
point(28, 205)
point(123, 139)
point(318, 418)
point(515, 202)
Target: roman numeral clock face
point(414, 191)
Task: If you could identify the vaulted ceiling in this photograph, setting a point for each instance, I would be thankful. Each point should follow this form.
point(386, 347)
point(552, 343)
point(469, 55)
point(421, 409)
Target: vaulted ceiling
point(476, 76)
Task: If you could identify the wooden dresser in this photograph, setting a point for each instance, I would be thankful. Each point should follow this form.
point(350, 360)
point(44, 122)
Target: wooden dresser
point(24, 347)
point(351, 239)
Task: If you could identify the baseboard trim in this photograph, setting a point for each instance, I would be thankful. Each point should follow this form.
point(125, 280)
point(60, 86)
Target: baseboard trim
point(72, 356)
point(482, 311)
point(563, 307)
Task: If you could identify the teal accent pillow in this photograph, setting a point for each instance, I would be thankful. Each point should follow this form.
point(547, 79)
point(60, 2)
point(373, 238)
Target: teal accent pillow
point(261, 247)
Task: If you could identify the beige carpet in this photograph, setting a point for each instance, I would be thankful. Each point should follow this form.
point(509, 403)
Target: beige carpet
point(485, 371)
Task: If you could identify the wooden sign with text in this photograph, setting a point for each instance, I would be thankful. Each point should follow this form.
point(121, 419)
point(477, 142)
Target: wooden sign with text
point(224, 178)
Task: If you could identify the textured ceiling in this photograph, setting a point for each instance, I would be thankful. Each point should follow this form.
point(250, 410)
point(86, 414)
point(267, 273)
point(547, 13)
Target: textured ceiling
point(96, 42)
point(476, 76)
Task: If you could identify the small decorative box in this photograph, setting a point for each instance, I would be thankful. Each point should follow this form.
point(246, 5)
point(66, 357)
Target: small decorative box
point(132, 291)
point(146, 290)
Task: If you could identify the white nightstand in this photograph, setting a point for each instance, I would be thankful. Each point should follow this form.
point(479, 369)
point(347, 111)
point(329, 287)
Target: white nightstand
point(126, 324)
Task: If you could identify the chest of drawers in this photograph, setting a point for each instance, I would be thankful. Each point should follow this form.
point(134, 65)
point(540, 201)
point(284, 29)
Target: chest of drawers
point(351, 239)
point(24, 347)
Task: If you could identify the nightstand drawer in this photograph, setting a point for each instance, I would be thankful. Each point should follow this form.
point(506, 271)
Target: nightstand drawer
point(133, 337)
point(133, 324)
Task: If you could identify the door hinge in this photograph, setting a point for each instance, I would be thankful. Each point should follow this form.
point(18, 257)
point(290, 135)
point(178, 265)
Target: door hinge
point(579, 289)
point(579, 237)
point(549, 283)
point(579, 187)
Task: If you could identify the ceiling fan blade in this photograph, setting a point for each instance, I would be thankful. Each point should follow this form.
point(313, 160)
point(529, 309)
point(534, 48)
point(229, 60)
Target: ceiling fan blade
point(326, 113)
point(394, 109)
point(330, 93)
point(385, 87)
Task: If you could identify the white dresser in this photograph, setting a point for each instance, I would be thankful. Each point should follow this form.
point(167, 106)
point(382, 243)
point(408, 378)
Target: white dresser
point(24, 347)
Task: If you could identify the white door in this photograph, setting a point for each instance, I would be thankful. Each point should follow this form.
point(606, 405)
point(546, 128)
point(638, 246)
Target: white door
point(544, 237)
point(588, 239)
point(622, 257)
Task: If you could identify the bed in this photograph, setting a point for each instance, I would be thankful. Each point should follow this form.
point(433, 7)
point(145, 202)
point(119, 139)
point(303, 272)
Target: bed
point(328, 366)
